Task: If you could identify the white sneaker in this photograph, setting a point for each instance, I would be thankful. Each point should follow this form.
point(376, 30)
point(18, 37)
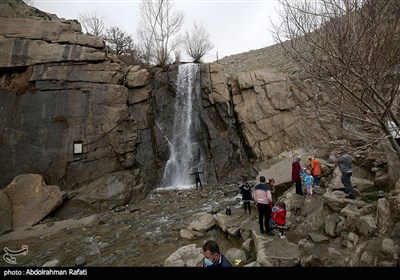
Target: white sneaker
point(282, 237)
point(280, 234)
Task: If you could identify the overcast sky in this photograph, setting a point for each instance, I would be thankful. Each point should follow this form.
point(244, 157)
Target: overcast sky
point(234, 26)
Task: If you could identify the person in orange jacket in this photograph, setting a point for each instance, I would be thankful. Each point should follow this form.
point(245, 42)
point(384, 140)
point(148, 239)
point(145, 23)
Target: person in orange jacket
point(315, 168)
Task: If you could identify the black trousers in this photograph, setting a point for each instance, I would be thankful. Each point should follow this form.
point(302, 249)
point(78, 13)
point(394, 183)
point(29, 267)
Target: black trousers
point(264, 217)
point(299, 189)
point(246, 205)
point(198, 182)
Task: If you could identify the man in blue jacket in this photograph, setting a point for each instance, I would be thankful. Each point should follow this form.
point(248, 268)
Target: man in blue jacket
point(213, 256)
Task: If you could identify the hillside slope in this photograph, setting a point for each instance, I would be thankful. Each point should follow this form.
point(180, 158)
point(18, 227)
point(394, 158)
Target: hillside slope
point(265, 58)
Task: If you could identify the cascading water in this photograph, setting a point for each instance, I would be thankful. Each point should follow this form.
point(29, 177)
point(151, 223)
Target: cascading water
point(186, 152)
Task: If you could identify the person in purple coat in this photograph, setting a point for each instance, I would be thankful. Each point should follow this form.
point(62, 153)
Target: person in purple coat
point(296, 171)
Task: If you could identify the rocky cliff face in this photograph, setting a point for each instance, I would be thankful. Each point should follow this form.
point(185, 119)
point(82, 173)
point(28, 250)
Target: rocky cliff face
point(60, 88)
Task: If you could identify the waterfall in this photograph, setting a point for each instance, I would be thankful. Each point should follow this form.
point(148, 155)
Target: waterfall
point(185, 149)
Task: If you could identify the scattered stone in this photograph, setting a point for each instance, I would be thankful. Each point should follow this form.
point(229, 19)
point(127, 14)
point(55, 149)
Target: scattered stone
point(80, 261)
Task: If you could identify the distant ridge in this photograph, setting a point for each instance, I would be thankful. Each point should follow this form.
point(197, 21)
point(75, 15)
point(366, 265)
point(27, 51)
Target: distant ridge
point(271, 57)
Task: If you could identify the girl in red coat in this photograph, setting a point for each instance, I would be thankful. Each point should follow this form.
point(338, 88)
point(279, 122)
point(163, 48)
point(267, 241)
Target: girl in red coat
point(279, 217)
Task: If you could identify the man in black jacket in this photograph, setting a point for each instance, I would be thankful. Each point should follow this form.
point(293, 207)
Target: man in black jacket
point(245, 190)
point(197, 176)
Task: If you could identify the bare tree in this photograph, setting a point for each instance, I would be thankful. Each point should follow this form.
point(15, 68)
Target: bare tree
point(92, 23)
point(352, 49)
point(122, 44)
point(119, 41)
point(197, 43)
point(158, 27)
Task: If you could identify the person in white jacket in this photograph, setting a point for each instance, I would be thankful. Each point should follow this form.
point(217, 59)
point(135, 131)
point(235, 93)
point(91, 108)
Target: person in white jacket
point(263, 200)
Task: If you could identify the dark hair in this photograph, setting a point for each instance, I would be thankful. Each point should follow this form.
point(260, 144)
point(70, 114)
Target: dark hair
point(262, 179)
point(211, 246)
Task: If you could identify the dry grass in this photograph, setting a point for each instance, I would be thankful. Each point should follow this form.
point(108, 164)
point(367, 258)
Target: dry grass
point(17, 81)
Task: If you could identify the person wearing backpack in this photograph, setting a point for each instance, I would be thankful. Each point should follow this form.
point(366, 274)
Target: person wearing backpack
point(308, 181)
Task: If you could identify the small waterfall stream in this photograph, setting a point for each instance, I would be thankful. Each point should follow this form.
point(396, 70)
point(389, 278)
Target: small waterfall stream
point(185, 149)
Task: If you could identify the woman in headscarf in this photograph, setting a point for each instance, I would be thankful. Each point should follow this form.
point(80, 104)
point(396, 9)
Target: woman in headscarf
point(296, 170)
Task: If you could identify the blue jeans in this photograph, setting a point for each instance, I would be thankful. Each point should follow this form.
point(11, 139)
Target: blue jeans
point(347, 183)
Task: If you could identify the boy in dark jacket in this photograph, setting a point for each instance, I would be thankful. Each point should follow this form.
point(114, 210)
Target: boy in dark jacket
point(197, 173)
point(245, 190)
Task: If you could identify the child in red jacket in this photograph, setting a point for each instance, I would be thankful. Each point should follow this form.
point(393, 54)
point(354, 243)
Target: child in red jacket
point(279, 217)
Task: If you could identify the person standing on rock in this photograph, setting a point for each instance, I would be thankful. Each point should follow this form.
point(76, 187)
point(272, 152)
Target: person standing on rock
point(271, 185)
point(308, 181)
point(296, 171)
point(245, 190)
point(315, 168)
point(212, 256)
point(279, 217)
point(263, 201)
point(345, 162)
point(197, 173)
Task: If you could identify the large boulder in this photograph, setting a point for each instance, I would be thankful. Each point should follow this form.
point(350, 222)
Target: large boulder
point(32, 199)
point(5, 213)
